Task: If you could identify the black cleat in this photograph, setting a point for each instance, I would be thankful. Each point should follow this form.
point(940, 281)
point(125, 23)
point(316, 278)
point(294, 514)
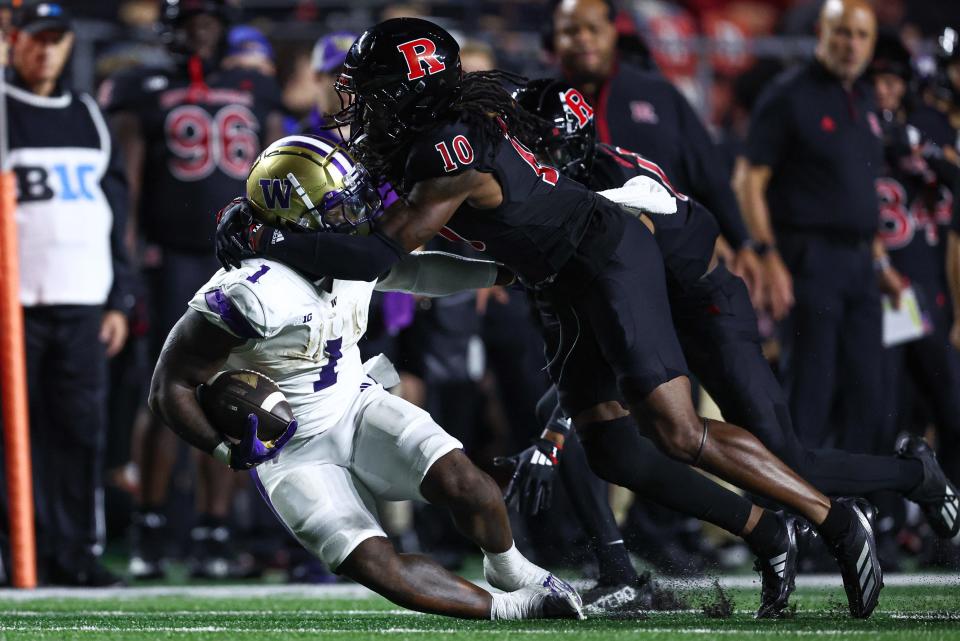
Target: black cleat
point(148, 539)
point(778, 574)
point(935, 495)
point(856, 554)
point(91, 574)
point(212, 556)
point(632, 597)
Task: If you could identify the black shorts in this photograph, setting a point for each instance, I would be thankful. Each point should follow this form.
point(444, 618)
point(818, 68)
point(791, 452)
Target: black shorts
point(615, 339)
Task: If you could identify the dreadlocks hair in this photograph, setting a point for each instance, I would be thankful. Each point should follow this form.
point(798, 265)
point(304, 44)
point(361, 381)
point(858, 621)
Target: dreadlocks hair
point(481, 101)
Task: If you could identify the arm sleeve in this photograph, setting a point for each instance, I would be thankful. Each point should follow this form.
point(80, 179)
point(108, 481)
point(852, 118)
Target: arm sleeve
point(438, 274)
point(707, 176)
point(115, 189)
point(550, 415)
point(336, 255)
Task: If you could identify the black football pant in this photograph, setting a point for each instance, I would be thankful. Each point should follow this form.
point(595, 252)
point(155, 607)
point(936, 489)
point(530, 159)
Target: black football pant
point(717, 328)
point(926, 367)
point(67, 387)
point(832, 354)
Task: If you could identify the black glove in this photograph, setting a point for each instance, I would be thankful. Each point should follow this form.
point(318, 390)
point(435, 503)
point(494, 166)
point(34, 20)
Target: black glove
point(235, 228)
point(531, 487)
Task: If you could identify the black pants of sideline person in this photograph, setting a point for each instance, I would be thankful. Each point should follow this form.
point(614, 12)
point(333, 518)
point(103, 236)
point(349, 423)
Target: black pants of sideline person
point(923, 371)
point(832, 342)
point(66, 384)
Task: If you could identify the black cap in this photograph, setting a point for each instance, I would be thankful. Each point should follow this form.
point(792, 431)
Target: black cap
point(42, 16)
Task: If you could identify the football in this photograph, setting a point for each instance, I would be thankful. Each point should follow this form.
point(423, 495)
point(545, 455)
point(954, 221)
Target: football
point(232, 395)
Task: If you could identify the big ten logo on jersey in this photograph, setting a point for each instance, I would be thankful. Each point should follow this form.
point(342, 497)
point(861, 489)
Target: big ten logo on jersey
point(578, 106)
point(217, 130)
point(900, 219)
point(421, 58)
point(66, 175)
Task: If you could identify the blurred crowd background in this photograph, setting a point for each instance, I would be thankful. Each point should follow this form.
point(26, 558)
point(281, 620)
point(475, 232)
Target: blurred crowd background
point(475, 362)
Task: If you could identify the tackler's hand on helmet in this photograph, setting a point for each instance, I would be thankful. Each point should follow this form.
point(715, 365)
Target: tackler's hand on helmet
point(308, 184)
point(235, 225)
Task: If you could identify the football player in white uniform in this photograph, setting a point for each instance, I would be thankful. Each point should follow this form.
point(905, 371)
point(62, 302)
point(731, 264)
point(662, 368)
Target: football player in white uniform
point(354, 442)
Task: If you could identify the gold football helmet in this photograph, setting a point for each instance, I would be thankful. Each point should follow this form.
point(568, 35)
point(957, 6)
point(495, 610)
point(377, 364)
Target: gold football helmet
point(309, 184)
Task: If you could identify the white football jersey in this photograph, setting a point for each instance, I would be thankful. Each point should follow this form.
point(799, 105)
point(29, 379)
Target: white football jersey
point(300, 335)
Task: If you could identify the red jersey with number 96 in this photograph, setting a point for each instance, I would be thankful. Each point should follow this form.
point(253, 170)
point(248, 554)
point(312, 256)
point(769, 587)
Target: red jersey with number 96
point(543, 216)
point(202, 129)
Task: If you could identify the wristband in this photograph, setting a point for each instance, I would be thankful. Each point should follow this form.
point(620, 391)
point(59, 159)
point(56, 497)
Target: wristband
point(761, 249)
point(222, 453)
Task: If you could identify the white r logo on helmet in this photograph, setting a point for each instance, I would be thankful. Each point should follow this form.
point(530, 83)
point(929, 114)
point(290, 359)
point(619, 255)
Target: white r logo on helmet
point(418, 52)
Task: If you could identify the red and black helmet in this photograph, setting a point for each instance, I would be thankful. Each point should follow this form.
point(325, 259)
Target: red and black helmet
point(401, 75)
point(567, 140)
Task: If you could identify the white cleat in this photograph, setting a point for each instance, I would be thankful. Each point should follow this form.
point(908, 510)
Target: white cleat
point(536, 602)
point(558, 585)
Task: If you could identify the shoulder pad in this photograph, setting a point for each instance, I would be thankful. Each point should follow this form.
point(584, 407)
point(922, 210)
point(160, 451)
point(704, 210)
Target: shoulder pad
point(444, 151)
point(248, 302)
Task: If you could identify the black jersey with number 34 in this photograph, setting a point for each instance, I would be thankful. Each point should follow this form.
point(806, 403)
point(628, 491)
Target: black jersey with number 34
point(544, 217)
point(202, 129)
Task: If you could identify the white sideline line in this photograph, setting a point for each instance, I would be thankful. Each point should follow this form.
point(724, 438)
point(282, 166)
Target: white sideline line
point(353, 591)
point(386, 631)
point(922, 615)
point(818, 581)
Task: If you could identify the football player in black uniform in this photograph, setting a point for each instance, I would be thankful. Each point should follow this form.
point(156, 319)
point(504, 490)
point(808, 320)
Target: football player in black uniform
point(190, 132)
point(444, 141)
point(916, 194)
point(718, 332)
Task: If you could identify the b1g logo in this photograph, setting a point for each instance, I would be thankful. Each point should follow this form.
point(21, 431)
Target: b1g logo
point(66, 182)
point(419, 53)
point(276, 192)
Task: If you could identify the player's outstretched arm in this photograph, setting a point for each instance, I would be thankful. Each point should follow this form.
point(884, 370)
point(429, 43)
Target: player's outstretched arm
point(402, 228)
point(194, 351)
point(442, 274)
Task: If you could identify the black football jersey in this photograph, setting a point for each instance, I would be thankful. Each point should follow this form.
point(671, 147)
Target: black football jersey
point(686, 238)
point(544, 218)
point(202, 129)
point(916, 209)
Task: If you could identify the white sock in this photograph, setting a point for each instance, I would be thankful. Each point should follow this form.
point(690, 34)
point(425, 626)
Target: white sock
point(511, 570)
point(513, 606)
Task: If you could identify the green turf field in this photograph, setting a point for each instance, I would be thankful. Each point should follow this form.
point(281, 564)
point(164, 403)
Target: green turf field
point(906, 612)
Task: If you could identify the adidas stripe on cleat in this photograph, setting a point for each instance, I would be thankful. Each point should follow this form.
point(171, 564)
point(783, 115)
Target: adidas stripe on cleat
point(935, 494)
point(856, 554)
point(778, 573)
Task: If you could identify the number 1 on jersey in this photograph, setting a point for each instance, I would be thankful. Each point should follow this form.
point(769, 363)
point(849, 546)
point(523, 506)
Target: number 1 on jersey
point(328, 373)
